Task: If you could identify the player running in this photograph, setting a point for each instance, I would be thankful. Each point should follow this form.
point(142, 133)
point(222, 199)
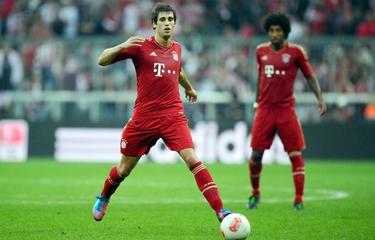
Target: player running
point(158, 111)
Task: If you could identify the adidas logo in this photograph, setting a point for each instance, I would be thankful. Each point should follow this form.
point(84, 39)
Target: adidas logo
point(153, 53)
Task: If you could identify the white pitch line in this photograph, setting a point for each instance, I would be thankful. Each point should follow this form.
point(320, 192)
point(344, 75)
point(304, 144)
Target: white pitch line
point(90, 182)
point(160, 184)
point(325, 194)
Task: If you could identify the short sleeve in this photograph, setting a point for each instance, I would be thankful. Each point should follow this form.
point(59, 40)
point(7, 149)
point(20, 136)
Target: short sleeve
point(181, 57)
point(303, 63)
point(257, 53)
point(126, 53)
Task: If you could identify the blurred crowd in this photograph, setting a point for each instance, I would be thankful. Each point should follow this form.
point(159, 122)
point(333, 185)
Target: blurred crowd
point(71, 18)
point(58, 42)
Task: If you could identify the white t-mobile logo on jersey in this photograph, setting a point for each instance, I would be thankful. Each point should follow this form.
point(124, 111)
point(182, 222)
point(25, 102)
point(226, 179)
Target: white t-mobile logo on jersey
point(269, 70)
point(159, 69)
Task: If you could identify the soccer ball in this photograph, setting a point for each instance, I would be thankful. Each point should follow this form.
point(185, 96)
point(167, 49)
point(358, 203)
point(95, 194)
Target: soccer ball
point(235, 226)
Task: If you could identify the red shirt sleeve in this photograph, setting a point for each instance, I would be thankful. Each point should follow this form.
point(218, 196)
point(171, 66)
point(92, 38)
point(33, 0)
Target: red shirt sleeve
point(180, 53)
point(258, 62)
point(303, 63)
point(126, 53)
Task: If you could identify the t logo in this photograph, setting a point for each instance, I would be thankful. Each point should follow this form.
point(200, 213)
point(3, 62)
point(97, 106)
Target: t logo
point(159, 69)
point(268, 70)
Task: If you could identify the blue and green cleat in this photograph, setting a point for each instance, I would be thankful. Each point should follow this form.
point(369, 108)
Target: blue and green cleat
point(222, 214)
point(98, 210)
point(298, 206)
point(253, 202)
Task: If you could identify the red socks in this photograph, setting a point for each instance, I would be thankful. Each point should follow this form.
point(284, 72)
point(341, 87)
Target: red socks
point(111, 183)
point(207, 186)
point(203, 178)
point(255, 170)
point(298, 171)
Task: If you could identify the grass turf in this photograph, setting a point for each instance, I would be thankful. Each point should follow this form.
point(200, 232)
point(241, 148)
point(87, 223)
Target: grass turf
point(49, 200)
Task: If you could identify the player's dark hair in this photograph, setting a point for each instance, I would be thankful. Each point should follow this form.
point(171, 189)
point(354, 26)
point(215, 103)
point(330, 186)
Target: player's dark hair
point(161, 7)
point(279, 19)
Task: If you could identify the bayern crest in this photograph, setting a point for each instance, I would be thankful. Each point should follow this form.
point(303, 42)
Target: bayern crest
point(174, 56)
point(285, 58)
point(124, 143)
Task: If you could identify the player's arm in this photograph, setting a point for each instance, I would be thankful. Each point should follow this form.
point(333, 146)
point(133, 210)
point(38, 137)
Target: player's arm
point(314, 86)
point(311, 80)
point(190, 93)
point(255, 104)
point(110, 53)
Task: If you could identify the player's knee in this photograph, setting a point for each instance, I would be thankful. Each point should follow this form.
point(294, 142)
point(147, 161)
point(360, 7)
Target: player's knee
point(294, 153)
point(126, 165)
point(189, 157)
point(123, 171)
point(257, 156)
point(191, 161)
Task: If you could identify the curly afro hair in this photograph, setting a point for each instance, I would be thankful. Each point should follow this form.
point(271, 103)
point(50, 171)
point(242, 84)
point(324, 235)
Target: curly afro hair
point(279, 19)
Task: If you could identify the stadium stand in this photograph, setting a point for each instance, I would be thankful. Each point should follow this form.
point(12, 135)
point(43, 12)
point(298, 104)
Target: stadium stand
point(52, 45)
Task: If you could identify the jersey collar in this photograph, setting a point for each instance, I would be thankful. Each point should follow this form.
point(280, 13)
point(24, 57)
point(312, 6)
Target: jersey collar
point(164, 48)
point(281, 50)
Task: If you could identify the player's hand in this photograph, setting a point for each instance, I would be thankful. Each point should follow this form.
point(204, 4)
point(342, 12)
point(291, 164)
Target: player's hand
point(134, 41)
point(322, 107)
point(191, 95)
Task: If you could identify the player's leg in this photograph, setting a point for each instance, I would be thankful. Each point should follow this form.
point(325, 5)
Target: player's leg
point(205, 182)
point(116, 175)
point(134, 144)
point(177, 137)
point(255, 169)
point(262, 134)
point(298, 171)
point(290, 132)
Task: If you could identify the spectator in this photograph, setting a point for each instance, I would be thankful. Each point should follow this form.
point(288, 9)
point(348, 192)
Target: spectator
point(366, 28)
point(69, 14)
point(11, 68)
point(131, 18)
point(6, 7)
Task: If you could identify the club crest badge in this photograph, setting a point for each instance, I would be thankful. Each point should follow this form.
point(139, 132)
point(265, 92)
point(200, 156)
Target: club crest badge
point(124, 143)
point(174, 56)
point(264, 58)
point(285, 58)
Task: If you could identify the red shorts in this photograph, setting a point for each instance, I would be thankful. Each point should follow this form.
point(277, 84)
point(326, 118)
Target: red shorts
point(284, 122)
point(140, 134)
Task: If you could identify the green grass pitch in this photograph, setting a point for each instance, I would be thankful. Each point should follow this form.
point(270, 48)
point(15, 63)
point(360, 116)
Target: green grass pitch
point(43, 199)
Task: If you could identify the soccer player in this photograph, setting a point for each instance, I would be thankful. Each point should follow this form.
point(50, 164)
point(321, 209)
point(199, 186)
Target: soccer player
point(158, 111)
point(278, 62)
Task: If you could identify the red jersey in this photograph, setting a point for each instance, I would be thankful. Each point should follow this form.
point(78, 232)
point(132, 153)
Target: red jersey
point(277, 72)
point(157, 69)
